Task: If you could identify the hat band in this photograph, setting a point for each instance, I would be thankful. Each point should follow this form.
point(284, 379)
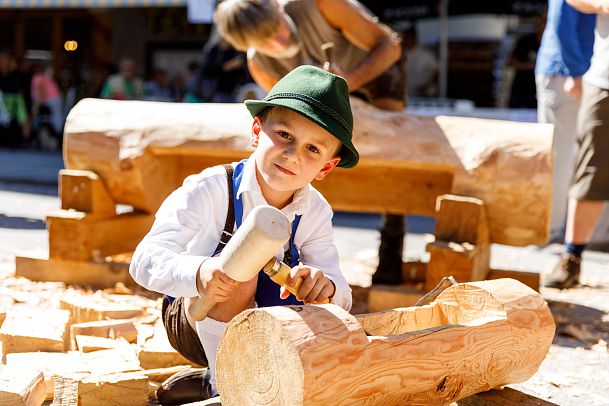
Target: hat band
point(315, 102)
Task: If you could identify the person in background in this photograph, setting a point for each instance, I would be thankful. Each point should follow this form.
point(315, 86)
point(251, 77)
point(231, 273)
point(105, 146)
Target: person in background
point(46, 98)
point(14, 128)
point(279, 35)
point(157, 89)
point(589, 191)
point(562, 59)
point(422, 65)
point(123, 85)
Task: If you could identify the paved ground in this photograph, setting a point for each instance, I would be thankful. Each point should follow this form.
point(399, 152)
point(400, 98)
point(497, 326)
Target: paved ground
point(575, 372)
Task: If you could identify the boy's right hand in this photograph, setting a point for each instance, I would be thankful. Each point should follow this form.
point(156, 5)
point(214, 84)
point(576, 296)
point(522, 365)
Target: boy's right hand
point(213, 283)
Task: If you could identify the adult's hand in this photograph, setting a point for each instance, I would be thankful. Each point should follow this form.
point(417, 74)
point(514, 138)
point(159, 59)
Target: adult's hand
point(573, 87)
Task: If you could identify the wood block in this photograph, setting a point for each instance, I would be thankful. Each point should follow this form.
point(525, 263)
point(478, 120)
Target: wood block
point(50, 363)
point(92, 307)
point(104, 328)
point(21, 386)
point(85, 191)
point(531, 279)
point(2, 316)
point(93, 343)
point(78, 237)
point(465, 262)
point(98, 276)
point(157, 352)
point(34, 330)
point(503, 397)
point(385, 297)
point(129, 388)
point(376, 180)
point(414, 271)
point(461, 219)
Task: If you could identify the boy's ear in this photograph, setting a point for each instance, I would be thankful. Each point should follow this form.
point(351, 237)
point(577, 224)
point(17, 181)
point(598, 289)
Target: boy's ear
point(331, 164)
point(256, 128)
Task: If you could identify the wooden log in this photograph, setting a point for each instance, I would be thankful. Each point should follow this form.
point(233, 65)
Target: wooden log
point(21, 386)
point(142, 151)
point(75, 236)
point(473, 337)
point(98, 276)
point(84, 191)
point(32, 330)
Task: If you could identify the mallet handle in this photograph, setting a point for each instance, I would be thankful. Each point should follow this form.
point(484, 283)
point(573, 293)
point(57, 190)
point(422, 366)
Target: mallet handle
point(279, 272)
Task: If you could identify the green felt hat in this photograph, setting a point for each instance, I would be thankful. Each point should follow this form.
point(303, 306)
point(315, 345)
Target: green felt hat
point(320, 96)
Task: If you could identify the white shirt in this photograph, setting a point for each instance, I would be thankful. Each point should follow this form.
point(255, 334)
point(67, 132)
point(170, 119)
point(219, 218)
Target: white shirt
point(598, 73)
point(188, 224)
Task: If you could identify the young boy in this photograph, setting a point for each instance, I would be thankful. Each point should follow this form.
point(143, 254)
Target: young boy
point(301, 130)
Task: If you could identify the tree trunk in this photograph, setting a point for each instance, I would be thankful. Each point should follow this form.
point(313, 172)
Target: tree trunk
point(143, 150)
point(473, 337)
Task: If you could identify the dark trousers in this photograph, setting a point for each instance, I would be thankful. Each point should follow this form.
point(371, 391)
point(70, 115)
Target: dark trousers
point(181, 335)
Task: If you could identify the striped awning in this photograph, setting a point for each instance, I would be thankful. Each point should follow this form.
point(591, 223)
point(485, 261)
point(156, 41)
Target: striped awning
point(89, 3)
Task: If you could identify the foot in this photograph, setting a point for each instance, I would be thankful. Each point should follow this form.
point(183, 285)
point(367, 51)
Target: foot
point(565, 274)
point(188, 386)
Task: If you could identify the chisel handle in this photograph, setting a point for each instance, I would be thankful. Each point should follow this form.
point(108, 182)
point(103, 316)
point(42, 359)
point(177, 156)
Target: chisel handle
point(279, 272)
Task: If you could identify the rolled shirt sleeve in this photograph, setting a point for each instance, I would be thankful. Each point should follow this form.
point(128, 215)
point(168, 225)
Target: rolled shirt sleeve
point(160, 262)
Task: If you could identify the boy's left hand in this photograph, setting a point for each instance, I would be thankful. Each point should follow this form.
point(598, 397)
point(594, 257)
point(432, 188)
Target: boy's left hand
point(315, 287)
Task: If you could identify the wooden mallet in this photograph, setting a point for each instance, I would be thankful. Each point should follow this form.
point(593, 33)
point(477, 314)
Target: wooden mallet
point(263, 233)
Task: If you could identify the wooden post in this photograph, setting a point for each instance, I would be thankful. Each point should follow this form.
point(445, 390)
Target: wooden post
point(462, 246)
point(473, 337)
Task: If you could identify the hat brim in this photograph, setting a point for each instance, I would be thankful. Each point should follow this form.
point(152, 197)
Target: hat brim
point(349, 156)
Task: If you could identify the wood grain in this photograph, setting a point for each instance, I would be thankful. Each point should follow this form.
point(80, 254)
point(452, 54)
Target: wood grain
point(142, 151)
point(474, 337)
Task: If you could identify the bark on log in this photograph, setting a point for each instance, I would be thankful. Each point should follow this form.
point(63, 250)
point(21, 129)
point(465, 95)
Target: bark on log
point(143, 150)
point(475, 336)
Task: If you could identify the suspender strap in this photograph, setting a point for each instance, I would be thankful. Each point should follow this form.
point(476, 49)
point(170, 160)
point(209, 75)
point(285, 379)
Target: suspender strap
point(230, 214)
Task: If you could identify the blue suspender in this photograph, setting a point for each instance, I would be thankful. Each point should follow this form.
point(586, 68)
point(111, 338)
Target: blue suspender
point(267, 291)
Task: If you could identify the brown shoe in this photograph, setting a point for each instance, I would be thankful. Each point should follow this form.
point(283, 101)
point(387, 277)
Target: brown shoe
point(565, 274)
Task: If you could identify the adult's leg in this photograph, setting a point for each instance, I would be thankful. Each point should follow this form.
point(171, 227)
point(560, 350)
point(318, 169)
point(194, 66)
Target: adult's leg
point(590, 186)
point(556, 107)
point(582, 217)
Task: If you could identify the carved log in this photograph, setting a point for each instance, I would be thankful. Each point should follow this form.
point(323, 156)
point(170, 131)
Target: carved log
point(475, 336)
point(142, 151)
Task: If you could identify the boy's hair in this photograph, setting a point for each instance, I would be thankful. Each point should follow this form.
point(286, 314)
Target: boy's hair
point(244, 23)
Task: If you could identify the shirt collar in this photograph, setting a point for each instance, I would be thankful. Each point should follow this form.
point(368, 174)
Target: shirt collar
point(249, 186)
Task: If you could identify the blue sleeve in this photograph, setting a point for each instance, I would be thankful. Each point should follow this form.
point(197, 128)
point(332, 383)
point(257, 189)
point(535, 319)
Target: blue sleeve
point(568, 33)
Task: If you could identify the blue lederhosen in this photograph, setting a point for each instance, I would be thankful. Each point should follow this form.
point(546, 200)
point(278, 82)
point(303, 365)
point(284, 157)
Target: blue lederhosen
point(267, 291)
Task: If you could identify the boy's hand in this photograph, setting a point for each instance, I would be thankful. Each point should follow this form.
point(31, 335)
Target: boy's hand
point(315, 287)
point(213, 283)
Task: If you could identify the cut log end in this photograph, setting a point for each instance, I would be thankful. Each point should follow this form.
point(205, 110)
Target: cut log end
point(253, 374)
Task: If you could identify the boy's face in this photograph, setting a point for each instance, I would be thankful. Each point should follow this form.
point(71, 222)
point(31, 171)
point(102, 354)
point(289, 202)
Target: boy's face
point(291, 151)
